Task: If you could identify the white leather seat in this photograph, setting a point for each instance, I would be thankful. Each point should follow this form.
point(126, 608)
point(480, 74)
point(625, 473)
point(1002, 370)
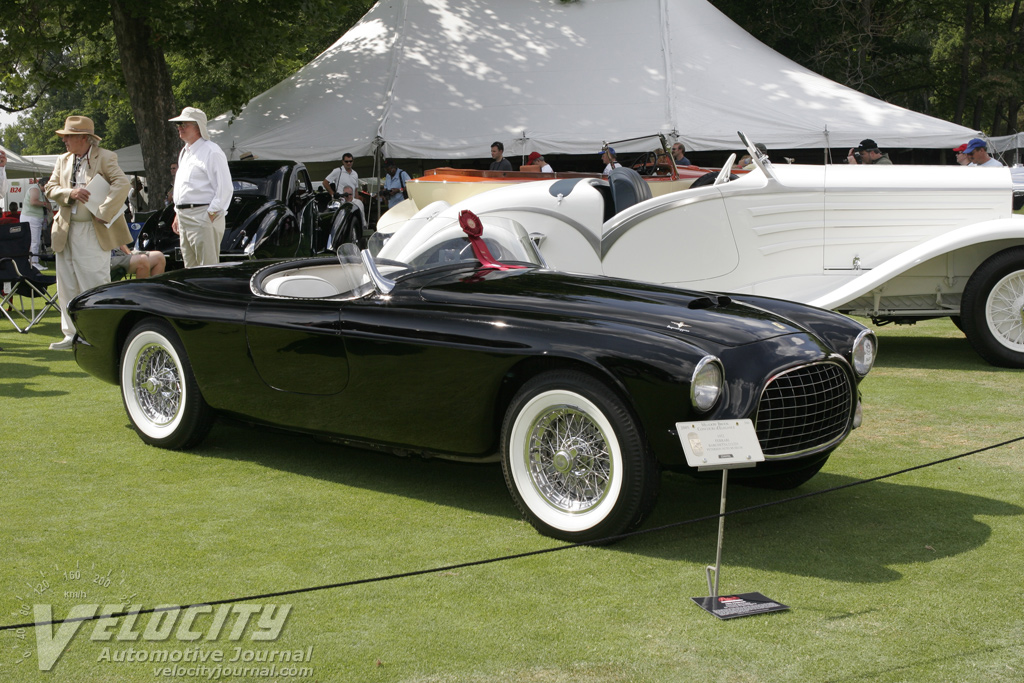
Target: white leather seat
point(301, 287)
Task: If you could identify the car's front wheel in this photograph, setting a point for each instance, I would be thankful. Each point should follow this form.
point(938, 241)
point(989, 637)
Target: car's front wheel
point(992, 309)
point(574, 459)
point(160, 392)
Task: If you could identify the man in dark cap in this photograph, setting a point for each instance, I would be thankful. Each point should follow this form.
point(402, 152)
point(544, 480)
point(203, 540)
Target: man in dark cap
point(867, 153)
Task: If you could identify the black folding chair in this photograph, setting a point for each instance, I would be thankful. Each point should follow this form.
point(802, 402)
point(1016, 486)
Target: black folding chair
point(19, 278)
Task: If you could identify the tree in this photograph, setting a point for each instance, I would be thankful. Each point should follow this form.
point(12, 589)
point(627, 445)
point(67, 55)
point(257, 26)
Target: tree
point(962, 60)
point(77, 50)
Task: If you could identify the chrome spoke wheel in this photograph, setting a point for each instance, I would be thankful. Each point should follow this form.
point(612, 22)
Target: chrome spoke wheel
point(568, 459)
point(157, 384)
point(574, 459)
point(158, 388)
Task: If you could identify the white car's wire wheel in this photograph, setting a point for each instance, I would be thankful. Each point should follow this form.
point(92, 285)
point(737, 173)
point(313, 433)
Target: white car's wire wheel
point(992, 309)
point(574, 459)
point(159, 390)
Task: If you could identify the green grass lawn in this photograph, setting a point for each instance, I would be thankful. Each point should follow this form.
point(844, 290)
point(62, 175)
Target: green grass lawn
point(913, 578)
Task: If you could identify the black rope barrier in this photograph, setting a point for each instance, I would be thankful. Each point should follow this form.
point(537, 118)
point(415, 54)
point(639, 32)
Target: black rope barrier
point(516, 556)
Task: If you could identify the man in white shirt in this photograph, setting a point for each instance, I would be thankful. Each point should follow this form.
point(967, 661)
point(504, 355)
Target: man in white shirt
point(537, 159)
point(977, 151)
point(342, 176)
point(202, 191)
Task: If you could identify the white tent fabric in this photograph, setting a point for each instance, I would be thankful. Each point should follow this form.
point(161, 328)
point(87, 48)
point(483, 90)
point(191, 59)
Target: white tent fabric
point(26, 166)
point(439, 79)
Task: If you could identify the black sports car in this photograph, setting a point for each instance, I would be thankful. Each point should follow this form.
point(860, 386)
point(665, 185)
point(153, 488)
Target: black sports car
point(476, 349)
point(274, 213)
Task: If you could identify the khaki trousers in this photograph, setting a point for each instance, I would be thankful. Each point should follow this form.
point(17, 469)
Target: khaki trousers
point(200, 239)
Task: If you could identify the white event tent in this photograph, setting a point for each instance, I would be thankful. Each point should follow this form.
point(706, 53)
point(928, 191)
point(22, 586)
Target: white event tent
point(438, 79)
point(19, 166)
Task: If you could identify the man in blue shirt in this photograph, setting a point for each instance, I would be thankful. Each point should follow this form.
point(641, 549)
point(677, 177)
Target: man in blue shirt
point(394, 183)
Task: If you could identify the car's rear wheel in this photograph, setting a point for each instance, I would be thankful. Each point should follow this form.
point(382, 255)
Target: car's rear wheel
point(574, 459)
point(159, 390)
point(992, 309)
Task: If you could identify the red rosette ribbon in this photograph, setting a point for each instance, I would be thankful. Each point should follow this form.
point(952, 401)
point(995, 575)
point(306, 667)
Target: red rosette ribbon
point(474, 229)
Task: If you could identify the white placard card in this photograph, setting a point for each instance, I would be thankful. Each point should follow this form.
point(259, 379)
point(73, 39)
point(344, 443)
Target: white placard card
point(720, 444)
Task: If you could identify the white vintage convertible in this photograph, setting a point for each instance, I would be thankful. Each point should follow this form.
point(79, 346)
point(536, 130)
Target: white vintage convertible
point(892, 243)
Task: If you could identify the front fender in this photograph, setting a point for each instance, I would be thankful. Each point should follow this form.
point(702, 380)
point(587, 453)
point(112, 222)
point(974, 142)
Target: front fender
point(1009, 229)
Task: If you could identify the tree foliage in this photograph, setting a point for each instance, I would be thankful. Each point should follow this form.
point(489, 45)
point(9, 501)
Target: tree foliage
point(961, 60)
point(132, 65)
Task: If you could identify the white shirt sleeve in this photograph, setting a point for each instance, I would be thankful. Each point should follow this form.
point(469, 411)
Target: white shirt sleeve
point(220, 176)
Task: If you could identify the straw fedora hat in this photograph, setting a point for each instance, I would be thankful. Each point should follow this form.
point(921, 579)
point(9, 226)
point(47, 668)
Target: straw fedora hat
point(197, 116)
point(79, 125)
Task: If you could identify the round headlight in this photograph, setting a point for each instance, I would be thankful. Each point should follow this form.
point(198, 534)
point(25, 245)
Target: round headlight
point(864, 352)
point(706, 383)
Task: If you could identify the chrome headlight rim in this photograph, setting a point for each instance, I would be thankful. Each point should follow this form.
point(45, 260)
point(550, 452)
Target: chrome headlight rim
point(699, 396)
point(864, 352)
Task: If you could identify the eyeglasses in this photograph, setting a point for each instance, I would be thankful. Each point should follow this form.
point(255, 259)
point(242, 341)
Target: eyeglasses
point(346, 194)
point(181, 124)
point(346, 161)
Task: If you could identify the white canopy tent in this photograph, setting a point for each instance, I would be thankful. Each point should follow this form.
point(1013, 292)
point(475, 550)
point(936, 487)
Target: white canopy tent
point(26, 166)
point(442, 80)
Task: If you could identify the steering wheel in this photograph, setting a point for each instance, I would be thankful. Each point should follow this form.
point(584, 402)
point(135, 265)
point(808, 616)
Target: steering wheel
point(723, 175)
point(640, 165)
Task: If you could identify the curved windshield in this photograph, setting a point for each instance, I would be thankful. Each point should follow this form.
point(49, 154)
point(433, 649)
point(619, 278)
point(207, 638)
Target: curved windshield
point(441, 242)
point(428, 246)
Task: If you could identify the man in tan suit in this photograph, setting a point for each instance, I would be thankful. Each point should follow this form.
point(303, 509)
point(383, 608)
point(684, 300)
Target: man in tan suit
point(81, 239)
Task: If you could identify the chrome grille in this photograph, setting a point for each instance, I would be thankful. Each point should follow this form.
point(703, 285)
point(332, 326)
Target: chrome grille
point(804, 408)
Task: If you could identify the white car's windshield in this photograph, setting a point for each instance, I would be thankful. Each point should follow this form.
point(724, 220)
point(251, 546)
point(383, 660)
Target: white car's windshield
point(426, 246)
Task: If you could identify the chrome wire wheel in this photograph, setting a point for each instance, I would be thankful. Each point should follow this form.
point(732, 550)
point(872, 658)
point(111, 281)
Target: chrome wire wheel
point(574, 459)
point(1004, 311)
point(565, 460)
point(568, 459)
point(158, 388)
point(157, 383)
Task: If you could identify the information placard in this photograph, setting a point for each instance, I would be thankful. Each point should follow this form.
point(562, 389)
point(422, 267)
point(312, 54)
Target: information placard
point(720, 444)
point(739, 605)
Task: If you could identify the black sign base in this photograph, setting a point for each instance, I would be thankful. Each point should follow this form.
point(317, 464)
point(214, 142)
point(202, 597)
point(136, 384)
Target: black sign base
point(731, 606)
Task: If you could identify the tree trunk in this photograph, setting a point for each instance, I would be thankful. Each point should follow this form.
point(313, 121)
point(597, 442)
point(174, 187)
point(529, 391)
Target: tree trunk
point(965, 64)
point(151, 97)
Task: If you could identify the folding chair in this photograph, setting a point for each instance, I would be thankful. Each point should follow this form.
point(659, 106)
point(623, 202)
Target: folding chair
point(20, 279)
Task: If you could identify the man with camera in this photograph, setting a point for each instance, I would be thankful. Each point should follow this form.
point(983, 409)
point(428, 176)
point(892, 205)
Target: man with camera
point(394, 184)
point(867, 153)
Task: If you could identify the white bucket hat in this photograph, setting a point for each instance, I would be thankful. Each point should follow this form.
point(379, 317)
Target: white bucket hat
point(195, 115)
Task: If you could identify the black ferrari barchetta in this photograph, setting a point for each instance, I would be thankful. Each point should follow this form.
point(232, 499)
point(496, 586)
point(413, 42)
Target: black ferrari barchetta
point(458, 342)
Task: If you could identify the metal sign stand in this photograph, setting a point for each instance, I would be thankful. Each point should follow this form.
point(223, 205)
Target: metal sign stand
point(724, 445)
point(717, 569)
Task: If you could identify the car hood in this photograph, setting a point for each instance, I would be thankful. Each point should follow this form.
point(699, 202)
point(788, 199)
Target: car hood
point(686, 314)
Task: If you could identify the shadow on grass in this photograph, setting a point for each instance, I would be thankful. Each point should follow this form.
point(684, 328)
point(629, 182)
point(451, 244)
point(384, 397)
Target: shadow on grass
point(21, 358)
point(940, 353)
point(853, 535)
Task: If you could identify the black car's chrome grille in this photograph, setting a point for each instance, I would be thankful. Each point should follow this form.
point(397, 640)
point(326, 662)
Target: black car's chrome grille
point(803, 409)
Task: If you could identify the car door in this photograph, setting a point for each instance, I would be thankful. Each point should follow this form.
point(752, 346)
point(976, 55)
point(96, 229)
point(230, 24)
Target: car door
point(296, 345)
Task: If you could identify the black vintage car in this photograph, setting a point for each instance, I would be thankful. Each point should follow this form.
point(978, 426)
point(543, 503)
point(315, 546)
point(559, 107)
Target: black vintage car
point(459, 343)
point(274, 213)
